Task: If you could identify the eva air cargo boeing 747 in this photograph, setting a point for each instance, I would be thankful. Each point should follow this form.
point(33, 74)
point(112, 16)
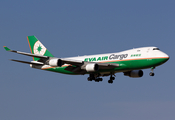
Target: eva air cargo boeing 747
point(130, 62)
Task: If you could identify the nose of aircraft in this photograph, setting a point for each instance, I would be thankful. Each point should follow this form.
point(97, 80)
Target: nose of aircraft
point(164, 56)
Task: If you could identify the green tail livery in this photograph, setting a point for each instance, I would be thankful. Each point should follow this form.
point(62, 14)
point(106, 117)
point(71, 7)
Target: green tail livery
point(36, 47)
point(130, 62)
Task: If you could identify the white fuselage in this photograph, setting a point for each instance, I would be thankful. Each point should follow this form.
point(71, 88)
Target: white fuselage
point(135, 53)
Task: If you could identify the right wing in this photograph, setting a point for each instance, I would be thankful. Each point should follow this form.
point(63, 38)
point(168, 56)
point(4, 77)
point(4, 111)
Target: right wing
point(79, 63)
point(80, 66)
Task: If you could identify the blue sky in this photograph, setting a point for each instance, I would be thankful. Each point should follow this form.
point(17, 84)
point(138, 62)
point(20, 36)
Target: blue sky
point(71, 28)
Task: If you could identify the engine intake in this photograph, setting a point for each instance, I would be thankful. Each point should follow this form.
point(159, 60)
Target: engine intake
point(92, 67)
point(55, 62)
point(134, 73)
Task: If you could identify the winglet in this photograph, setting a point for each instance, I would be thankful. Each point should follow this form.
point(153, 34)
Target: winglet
point(6, 48)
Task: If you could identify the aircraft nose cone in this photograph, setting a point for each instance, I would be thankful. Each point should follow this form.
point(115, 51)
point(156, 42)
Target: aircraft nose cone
point(166, 57)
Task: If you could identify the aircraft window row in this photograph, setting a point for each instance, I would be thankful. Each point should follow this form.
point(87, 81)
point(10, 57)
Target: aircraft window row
point(156, 49)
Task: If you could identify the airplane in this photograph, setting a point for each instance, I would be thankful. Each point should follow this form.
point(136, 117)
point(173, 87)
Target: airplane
point(130, 62)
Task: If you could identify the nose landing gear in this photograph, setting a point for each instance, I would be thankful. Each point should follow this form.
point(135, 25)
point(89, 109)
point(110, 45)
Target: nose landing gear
point(152, 71)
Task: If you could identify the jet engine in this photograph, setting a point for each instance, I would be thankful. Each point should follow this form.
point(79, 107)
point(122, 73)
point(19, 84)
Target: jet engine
point(134, 73)
point(92, 67)
point(55, 62)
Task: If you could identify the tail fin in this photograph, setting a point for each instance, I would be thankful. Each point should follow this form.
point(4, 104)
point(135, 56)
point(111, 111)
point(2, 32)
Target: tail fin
point(36, 47)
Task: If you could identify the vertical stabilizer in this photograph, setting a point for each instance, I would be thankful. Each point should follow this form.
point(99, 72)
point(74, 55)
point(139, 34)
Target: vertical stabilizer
point(36, 47)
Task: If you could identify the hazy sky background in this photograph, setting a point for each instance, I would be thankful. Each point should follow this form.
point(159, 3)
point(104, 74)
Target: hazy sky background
point(78, 27)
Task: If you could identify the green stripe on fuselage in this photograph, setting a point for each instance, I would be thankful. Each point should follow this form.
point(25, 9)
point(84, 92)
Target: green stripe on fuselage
point(123, 65)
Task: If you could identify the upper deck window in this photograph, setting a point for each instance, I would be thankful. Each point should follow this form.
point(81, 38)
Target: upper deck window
point(156, 49)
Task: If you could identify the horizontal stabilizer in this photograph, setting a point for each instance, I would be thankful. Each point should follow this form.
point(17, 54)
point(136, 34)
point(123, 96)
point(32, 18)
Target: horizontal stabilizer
point(32, 62)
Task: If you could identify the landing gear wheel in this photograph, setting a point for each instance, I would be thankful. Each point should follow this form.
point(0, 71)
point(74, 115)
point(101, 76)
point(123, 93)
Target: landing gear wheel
point(151, 74)
point(112, 78)
point(89, 79)
point(110, 81)
point(96, 80)
point(100, 79)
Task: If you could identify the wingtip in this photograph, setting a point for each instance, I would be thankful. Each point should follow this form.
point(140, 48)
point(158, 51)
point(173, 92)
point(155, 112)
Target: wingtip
point(6, 48)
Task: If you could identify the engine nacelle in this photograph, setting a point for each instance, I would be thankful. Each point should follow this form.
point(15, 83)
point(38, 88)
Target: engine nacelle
point(92, 67)
point(134, 73)
point(55, 62)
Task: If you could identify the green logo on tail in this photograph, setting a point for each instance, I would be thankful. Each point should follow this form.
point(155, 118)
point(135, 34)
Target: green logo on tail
point(39, 48)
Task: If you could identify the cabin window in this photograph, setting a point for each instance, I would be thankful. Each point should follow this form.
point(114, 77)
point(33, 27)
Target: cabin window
point(156, 49)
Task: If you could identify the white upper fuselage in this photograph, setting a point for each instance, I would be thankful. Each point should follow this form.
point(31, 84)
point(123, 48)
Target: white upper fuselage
point(136, 53)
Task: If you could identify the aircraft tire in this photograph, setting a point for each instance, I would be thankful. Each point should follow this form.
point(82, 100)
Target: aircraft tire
point(151, 74)
point(100, 79)
point(89, 79)
point(112, 78)
point(110, 81)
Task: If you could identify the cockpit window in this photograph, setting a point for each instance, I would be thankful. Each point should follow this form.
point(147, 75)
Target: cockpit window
point(156, 49)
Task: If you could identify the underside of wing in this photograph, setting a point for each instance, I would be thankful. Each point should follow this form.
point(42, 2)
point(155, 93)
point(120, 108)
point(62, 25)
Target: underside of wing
point(81, 63)
point(107, 65)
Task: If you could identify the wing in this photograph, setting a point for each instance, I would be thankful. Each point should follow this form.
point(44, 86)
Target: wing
point(76, 66)
point(79, 63)
point(24, 53)
point(80, 66)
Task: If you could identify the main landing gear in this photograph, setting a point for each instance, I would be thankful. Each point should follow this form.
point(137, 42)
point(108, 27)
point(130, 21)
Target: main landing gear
point(111, 79)
point(96, 78)
point(152, 71)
